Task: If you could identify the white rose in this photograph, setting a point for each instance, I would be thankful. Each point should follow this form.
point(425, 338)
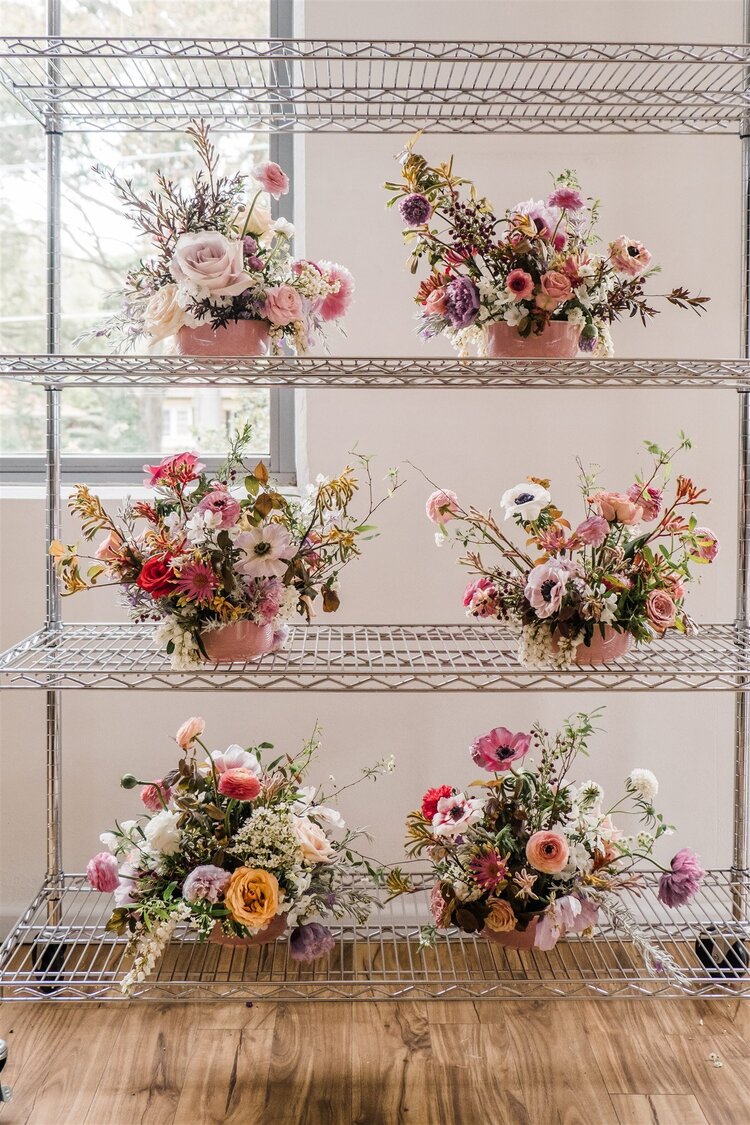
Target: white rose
point(209, 265)
point(259, 222)
point(284, 228)
point(162, 834)
point(313, 841)
point(163, 316)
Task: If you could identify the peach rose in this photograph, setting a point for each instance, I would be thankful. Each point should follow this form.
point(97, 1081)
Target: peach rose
point(435, 303)
point(209, 264)
point(556, 288)
point(616, 507)
point(108, 550)
point(660, 610)
point(501, 919)
point(189, 731)
point(315, 845)
point(252, 897)
point(282, 305)
point(239, 784)
point(163, 316)
point(547, 852)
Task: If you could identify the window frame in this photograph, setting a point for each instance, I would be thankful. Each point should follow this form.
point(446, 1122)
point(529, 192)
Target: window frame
point(127, 469)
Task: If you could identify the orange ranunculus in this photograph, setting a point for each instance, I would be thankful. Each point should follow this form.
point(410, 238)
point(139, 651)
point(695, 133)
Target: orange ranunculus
point(252, 897)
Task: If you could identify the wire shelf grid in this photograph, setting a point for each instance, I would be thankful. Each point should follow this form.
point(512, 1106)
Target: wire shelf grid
point(405, 658)
point(378, 86)
point(75, 958)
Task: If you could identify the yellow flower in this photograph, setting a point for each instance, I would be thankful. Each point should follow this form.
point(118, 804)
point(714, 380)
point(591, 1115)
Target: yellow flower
point(501, 919)
point(252, 897)
point(58, 550)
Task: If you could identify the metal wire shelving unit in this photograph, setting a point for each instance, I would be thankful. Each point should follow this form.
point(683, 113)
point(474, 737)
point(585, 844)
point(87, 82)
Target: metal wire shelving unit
point(59, 949)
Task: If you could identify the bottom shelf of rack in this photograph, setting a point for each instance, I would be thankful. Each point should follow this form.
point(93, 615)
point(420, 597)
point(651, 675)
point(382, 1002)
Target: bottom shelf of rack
point(60, 950)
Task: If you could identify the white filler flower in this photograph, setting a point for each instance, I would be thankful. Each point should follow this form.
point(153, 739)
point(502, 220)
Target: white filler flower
point(644, 782)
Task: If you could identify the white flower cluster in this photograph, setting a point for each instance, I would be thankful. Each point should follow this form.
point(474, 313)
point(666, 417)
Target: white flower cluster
point(535, 648)
point(311, 283)
point(186, 652)
point(146, 946)
point(268, 840)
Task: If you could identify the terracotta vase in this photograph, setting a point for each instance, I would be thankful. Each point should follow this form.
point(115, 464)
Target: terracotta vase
point(513, 939)
point(604, 649)
point(559, 340)
point(236, 338)
point(275, 928)
point(238, 641)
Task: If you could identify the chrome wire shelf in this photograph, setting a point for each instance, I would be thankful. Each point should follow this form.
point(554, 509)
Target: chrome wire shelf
point(73, 957)
point(364, 372)
point(362, 86)
point(406, 658)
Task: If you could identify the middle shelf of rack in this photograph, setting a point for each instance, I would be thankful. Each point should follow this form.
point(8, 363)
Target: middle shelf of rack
point(406, 658)
point(372, 372)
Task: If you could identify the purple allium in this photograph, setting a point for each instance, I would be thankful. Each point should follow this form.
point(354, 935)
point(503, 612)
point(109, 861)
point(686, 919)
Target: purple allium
point(309, 942)
point(205, 884)
point(462, 302)
point(677, 887)
point(415, 209)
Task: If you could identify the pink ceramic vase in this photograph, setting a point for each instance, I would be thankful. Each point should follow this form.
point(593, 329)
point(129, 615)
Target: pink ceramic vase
point(513, 939)
point(275, 928)
point(240, 640)
point(603, 649)
point(559, 340)
point(236, 338)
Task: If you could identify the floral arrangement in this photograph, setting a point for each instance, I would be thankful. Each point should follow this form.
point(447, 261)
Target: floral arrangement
point(220, 257)
point(534, 265)
point(205, 553)
point(233, 847)
point(535, 849)
point(625, 567)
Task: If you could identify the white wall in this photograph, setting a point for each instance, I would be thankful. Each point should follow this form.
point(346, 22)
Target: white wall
point(681, 196)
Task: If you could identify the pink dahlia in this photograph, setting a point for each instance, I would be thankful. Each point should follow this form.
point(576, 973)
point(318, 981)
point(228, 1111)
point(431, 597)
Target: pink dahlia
point(221, 503)
point(197, 582)
point(336, 305)
point(497, 750)
point(566, 198)
point(677, 887)
point(102, 872)
point(546, 585)
point(648, 498)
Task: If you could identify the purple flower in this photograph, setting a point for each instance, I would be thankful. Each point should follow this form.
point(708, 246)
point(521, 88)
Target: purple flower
point(587, 343)
point(415, 209)
point(250, 250)
point(677, 887)
point(462, 302)
point(311, 941)
point(205, 884)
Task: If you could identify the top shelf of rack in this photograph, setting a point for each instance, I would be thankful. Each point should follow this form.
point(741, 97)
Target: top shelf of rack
point(122, 84)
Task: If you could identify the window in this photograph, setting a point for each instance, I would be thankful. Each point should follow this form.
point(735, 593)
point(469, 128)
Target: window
point(108, 433)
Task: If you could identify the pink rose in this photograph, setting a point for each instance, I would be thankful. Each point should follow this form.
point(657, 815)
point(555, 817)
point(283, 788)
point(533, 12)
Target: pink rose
point(109, 549)
point(648, 497)
point(189, 731)
point(616, 507)
point(435, 303)
point(282, 305)
point(706, 546)
point(592, 531)
point(155, 795)
point(519, 284)
point(441, 506)
point(272, 178)
point(660, 610)
point(239, 784)
point(315, 845)
point(209, 265)
point(223, 504)
point(498, 750)
point(547, 852)
point(556, 289)
point(628, 257)
point(103, 873)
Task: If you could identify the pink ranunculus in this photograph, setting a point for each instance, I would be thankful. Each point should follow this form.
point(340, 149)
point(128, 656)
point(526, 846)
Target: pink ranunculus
point(456, 813)
point(481, 598)
point(498, 750)
point(546, 584)
point(239, 784)
point(678, 886)
point(616, 507)
point(282, 305)
point(209, 264)
point(155, 795)
point(593, 531)
point(109, 549)
point(272, 178)
point(556, 289)
point(706, 546)
point(435, 302)
point(221, 503)
point(179, 469)
point(189, 731)
point(442, 505)
point(648, 497)
point(660, 610)
point(102, 872)
point(519, 284)
point(628, 257)
point(336, 305)
point(547, 852)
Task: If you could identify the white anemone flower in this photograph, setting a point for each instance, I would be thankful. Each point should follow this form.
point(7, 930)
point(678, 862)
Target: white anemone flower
point(266, 549)
point(526, 500)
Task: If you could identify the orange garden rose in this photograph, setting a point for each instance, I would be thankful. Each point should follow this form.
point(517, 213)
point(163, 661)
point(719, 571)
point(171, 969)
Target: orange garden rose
point(252, 897)
point(501, 919)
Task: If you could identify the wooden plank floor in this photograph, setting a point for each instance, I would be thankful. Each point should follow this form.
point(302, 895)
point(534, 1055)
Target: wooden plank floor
point(578, 1062)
